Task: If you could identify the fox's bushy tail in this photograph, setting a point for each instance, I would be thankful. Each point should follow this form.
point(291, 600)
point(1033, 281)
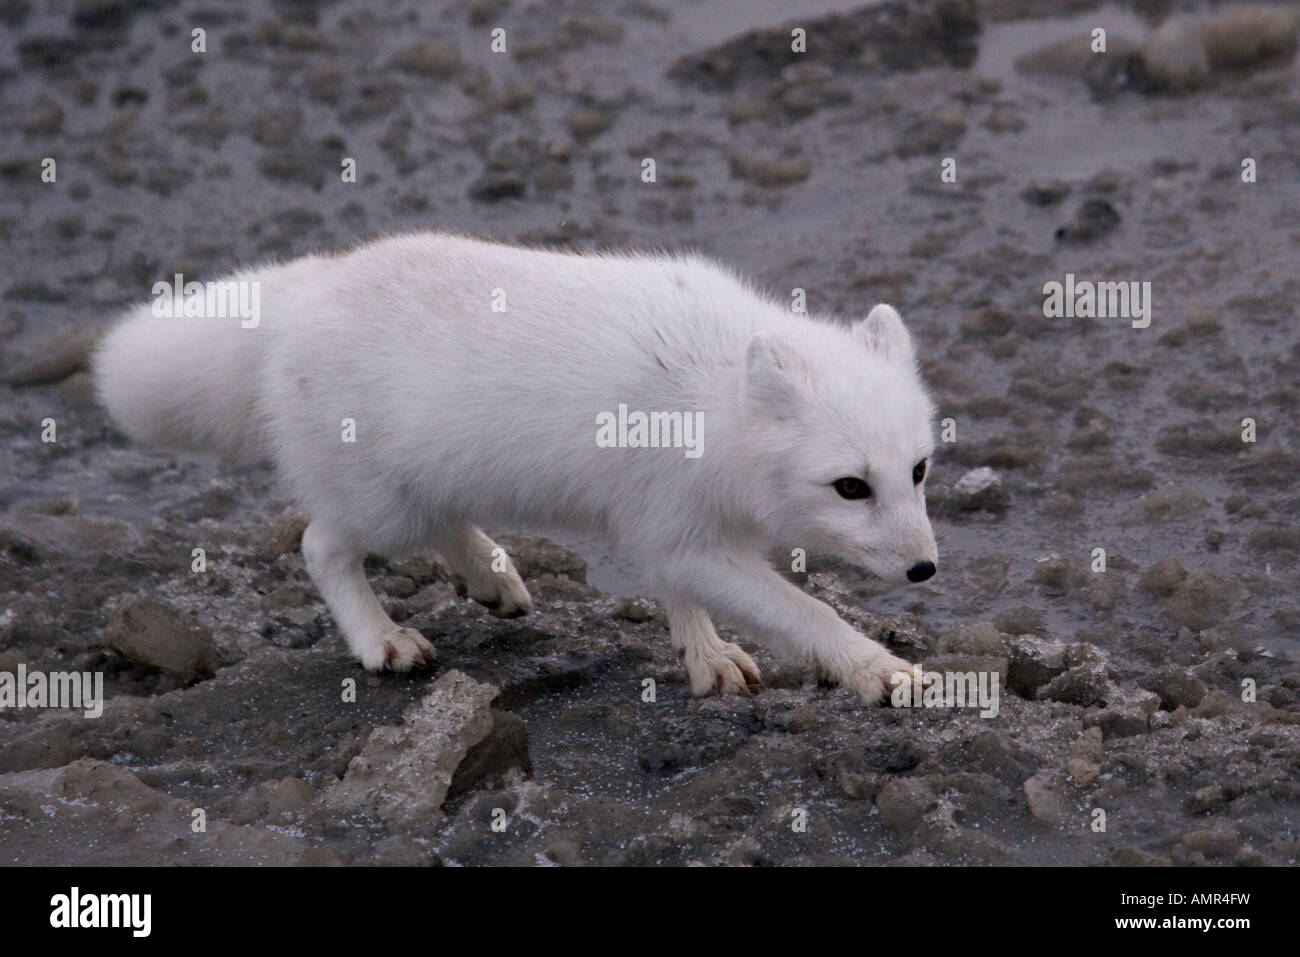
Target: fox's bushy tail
point(184, 382)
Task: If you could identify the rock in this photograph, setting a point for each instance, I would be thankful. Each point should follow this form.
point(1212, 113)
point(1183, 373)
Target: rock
point(847, 770)
point(745, 110)
point(660, 757)
point(1126, 713)
point(1046, 801)
point(975, 638)
point(979, 488)
point(1084, 762)
point(540, 556)
point(1095, 218)
point(1087, 685)
point(404, 772)
point(633, 609)
point(514, 96)
point(1218, 840)
point(902, 804)
point(1206, 799)
point(989, 322)
point(486, 764)
point(1175, 686)
point(290, 795)
point(994, 753)
point(898, 757)
point(747, 852)
point(49, 813)
point(284, 534)
point(78, 390)
point(35, 537)
point(1034, 662)
point(493, 185)
point(1201, 601)
point(1005, 120)
point(768, 171)
point(1021, 620)
point(289, 596)
point(325, 82)
point(916, 857)
point(42, 118)
point(1247, 36)
point(99, 14)
point(587, 122)
point(1136, 857)
point(1163, 578)
point(1216, 704)
point(399, 850)
point(398, 586)
point(56, 358)
point(159, 636)
point(966, 845)
point(276, 128)
point(807, 74)
point(931, 131)
point(1056, 576)
point(1170, 502)
point(1068, 57)
point(1045, 192)
point(1106, 181)
point(1186, 52)
point(925, 33)
point(977, 665)
point(428, 59)
point(1136, 699)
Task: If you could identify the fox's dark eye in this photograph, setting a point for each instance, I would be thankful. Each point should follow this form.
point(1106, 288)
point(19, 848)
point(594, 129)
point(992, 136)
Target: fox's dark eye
point(852, 488)
point(918, 472)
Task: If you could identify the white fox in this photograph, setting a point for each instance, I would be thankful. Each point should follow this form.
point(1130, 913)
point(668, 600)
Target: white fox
point(474, 377)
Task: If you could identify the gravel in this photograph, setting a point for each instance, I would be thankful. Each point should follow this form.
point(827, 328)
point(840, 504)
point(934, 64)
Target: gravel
point(1159, 687)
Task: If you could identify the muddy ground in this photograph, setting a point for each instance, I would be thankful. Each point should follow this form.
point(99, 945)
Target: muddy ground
point(1124, 688)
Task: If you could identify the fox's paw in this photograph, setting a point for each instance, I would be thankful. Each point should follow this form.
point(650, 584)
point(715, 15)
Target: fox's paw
point(503, 593)
point(874, 677)
point(398, 649)
point(720, 666)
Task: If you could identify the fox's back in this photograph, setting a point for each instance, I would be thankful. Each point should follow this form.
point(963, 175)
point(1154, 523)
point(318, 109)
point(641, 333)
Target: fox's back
point(463, 356)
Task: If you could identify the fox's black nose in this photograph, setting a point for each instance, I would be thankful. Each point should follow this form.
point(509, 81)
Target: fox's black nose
point(920, 571)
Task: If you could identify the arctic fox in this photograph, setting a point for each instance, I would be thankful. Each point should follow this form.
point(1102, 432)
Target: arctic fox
point(423, 385)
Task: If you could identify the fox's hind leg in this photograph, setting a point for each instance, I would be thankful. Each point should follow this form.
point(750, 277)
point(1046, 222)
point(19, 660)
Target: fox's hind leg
point(711, 663)
point(336, 565)
point(488, 573)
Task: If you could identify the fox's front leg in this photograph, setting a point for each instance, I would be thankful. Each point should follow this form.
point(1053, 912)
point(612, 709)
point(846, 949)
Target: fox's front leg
point(746, 592)
point(711, 663)
point(336, 565)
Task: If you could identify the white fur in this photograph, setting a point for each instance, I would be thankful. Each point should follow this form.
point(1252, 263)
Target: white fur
point(465, 416)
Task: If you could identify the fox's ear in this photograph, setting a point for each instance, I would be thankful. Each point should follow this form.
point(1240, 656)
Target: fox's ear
point(884, 332)
point(768, 385)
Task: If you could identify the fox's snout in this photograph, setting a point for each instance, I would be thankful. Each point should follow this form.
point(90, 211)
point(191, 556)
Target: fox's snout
point(915, 557)
point(921, 571)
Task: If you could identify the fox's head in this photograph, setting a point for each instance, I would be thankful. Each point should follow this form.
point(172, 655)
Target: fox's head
point(844, 442)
